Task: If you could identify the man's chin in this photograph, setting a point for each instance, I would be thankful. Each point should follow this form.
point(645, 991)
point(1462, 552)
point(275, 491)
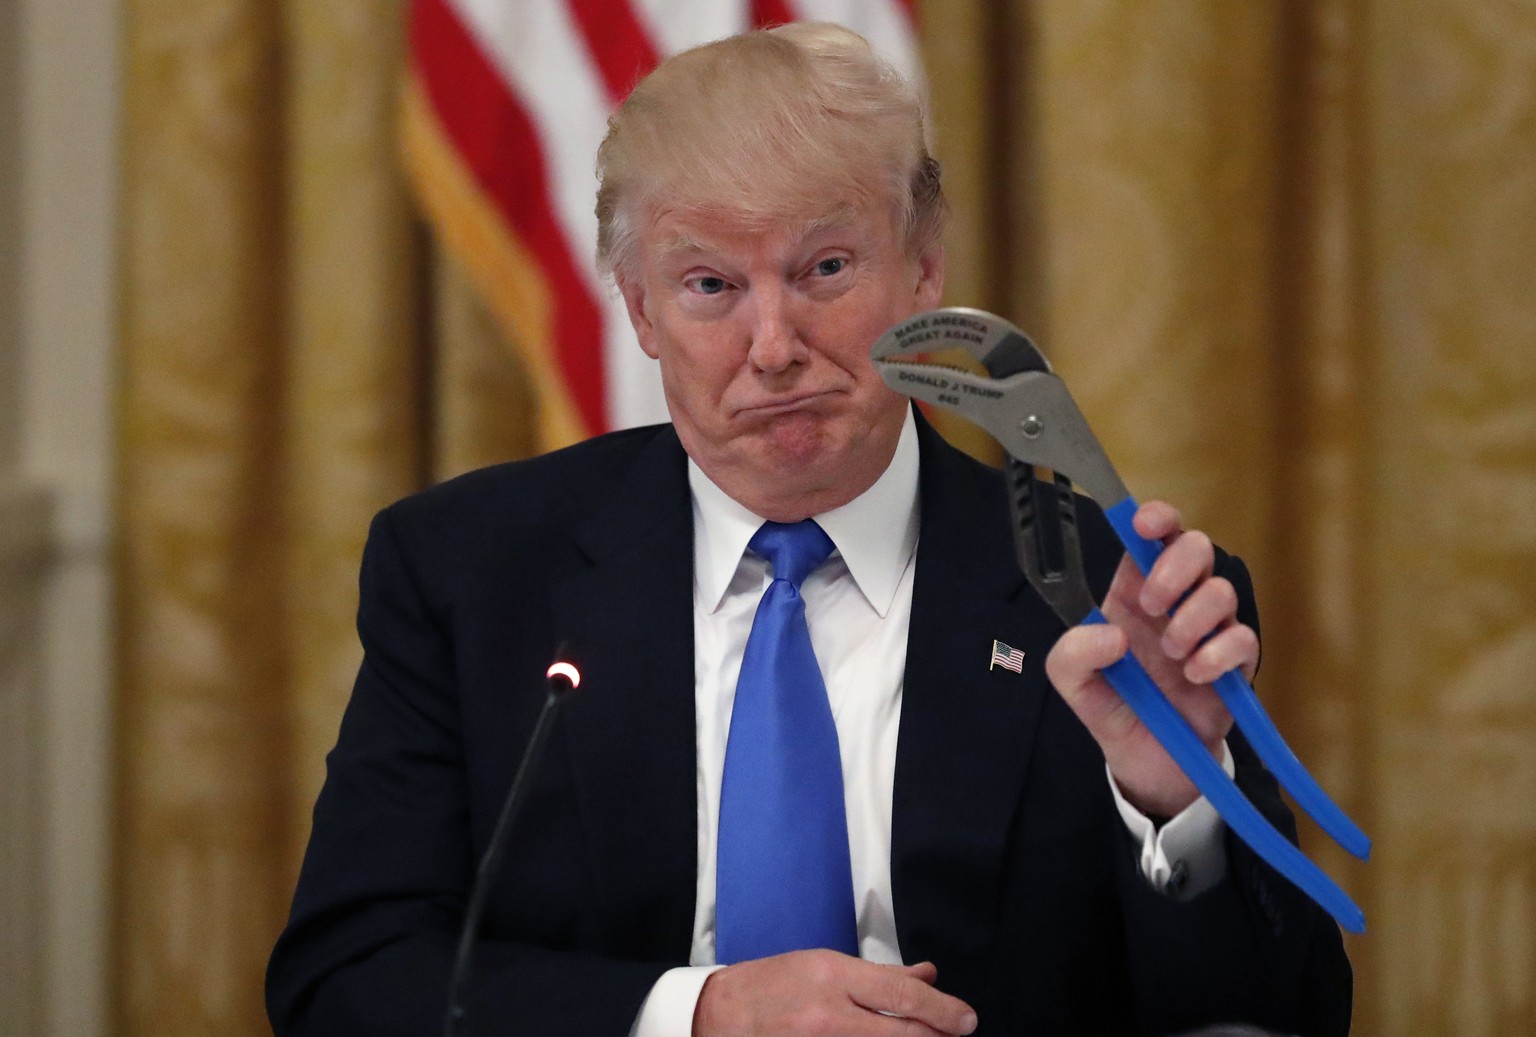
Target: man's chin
point(796, 439)
point(802, 463)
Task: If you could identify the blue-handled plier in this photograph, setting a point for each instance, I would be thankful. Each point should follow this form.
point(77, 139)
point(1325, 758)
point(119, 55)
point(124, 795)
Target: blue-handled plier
point(1028, 410)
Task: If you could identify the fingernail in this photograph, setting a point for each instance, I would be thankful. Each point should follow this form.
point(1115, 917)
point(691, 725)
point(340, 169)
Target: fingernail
point(968, 1023)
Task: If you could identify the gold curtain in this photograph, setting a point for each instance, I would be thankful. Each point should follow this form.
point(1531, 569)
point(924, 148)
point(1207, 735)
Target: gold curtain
point(1282, 251)
point(294, 357)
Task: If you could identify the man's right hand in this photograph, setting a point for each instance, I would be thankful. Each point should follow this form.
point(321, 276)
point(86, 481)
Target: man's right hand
point(823, 992)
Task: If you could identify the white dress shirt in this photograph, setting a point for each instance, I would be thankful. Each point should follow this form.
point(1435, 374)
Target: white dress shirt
point(858, 605)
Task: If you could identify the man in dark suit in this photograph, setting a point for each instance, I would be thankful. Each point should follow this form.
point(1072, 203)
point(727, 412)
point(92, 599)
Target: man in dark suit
point(767, 209)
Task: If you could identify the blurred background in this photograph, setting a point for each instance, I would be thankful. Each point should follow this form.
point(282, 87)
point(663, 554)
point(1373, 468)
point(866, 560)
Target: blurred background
point(259, 277)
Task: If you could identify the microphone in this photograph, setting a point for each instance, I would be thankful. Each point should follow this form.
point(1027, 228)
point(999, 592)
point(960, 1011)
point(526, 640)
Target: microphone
point(561, 677)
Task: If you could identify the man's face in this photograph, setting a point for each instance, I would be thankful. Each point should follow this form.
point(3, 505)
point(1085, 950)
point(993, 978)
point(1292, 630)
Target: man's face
point(763, 334)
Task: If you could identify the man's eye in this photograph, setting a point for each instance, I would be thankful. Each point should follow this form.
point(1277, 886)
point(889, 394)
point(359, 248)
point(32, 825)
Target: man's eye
point(828, 267)
point(709, 285)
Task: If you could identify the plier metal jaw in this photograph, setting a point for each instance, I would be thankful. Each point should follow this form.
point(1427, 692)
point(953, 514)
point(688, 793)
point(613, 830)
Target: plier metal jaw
point(1028, 410)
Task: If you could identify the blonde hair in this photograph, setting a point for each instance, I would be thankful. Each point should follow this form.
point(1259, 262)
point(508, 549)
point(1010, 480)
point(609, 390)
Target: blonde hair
point(768, 125)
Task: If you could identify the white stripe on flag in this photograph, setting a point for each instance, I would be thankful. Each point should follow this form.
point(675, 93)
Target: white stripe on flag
point(883, 22)
point(679, 24)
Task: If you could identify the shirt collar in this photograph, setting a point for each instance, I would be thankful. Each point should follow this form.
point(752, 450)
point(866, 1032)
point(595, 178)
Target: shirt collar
point(875, 533)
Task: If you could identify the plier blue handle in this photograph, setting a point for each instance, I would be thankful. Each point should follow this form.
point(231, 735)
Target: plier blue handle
point(1028, 410)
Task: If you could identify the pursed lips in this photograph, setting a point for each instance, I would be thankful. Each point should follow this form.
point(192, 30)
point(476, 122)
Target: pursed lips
point(783, 405)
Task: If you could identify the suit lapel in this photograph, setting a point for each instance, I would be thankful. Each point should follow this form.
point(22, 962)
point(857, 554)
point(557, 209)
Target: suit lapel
point(967, 731)
point(630, 733)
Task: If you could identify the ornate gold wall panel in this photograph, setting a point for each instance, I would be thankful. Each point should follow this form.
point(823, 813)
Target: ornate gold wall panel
point(1315, 671)
point(1452, 287)
point(1155, 146)
point(203, 716)
point(271, 401)
point(484, 404)
point(353, 396)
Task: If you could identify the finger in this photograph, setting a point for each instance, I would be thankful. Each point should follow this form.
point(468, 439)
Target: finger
point(1124, 595)
point(1236, 647)
point(896, 992)
point(1157, 520)
point(1187, 559)
point(1075, 660)
point(1073, 667)
point(894, 1026)
point(1209, 607)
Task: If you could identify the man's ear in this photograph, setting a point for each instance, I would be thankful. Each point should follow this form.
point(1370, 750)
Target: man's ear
point(930, 278)
point(633, 292)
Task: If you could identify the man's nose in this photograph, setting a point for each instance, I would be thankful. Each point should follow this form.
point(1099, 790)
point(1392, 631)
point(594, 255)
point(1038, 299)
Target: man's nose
point(777, 342)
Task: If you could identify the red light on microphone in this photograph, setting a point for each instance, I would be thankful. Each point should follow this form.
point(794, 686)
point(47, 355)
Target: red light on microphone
point(565, 671)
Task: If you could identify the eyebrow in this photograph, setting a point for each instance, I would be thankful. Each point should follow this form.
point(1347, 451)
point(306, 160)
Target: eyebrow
point(680, 243)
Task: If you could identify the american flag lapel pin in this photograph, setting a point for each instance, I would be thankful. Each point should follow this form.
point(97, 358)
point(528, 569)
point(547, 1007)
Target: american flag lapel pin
point(1006, 656)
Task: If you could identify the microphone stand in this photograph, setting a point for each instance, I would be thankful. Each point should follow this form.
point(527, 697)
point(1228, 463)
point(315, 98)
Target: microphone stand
point(560, 678)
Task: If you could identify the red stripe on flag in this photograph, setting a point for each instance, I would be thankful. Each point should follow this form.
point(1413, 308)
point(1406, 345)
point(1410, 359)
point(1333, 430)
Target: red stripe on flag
point(618, 43)
point(499, 143)
point(771, 12)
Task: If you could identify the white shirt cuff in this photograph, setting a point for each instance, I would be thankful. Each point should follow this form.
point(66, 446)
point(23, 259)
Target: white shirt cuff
point(1188, 855)
point(668, 1008)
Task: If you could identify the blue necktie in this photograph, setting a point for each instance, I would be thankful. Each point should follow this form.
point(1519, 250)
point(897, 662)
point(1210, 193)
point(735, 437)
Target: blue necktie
point(783, 880)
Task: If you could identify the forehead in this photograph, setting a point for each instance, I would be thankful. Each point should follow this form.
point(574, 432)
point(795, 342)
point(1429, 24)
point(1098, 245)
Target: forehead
point(687, 232)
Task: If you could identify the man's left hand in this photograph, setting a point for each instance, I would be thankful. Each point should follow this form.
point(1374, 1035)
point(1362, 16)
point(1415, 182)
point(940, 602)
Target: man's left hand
point(1183, 652)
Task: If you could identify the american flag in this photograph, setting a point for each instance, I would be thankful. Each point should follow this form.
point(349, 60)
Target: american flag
point(505, 104)
point(1008, 657)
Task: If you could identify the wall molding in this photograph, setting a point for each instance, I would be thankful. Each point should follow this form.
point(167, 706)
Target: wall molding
point(26, 549)
point(26, 524)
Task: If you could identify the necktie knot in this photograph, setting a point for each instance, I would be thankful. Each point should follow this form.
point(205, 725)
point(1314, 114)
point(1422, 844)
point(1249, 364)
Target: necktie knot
point(793, 549)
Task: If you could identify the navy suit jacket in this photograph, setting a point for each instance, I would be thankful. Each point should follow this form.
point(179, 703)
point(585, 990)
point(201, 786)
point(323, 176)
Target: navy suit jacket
point(1010, 868)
